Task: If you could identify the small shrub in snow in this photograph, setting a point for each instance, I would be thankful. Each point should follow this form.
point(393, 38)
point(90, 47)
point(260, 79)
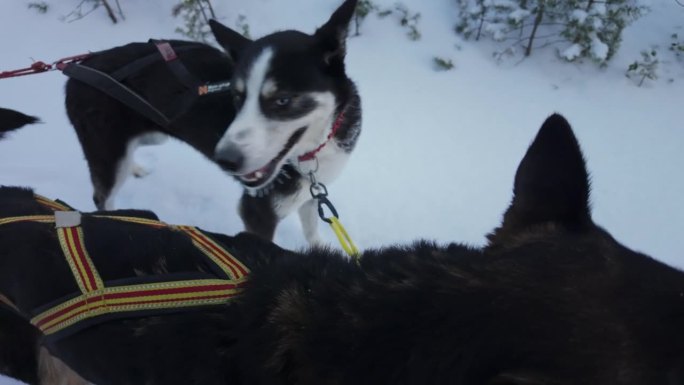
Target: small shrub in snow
point(363, 9)
point(39, 6)
point(677, 46)
point(491, 18)
point(86, 7)
point(409, 21)
point(587, 28)
point(243, 26)
point(442, 64)
point(643, 69)
point(594, 28)
point(195, 15)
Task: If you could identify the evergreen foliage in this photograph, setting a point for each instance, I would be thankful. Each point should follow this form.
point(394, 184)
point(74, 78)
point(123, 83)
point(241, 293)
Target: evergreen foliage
point(406, 17)
point(39, 6)
point(578, 28)
point(409, 21)
point(677, 46)
point(363, 9)
point(243, 26)
point(195, 15)
point(643, 69)
point(443, 64)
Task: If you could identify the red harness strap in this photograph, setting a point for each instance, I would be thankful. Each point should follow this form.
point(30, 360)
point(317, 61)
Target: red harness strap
point(312, 154)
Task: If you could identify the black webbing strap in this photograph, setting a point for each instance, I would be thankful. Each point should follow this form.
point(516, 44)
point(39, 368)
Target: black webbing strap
point(116, 90)
point(111, 84)
point(138, 65)
point(171, 58)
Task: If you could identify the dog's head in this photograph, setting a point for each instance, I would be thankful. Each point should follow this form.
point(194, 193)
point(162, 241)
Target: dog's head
point(573, 305)
point(287, 89)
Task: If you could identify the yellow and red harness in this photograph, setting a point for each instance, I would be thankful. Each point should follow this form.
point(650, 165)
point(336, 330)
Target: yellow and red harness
point(97, 299)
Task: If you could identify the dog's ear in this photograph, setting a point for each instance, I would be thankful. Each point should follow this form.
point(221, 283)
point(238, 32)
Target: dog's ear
point(332, 36)
point(231, 41)
point(551, 184)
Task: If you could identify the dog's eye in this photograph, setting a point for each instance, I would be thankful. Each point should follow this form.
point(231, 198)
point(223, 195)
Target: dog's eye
point(283, 101)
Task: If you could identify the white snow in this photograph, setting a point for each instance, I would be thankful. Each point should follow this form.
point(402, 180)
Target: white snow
point(439, 148)
point(518, 15)
point(598, 9)
point(572, 52)
point(498, 30)
point(599, 49)
point(501, 3)
point(579, 14)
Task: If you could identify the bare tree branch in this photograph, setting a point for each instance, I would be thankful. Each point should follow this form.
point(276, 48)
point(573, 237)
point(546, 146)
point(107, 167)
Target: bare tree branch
point(110, 11)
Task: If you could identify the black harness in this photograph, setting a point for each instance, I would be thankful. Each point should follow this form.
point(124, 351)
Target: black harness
point(112, 83)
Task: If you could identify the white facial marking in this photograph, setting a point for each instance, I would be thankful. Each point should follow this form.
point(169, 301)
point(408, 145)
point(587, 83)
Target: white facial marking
point(269, 88)
point(261, 139)
point(240, 85)
point(247, 129)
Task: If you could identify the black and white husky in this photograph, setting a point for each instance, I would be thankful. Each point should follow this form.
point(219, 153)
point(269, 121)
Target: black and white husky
point(291, 110)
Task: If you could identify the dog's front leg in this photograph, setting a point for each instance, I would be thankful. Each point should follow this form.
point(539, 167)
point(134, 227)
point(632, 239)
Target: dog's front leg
point(308, 215)
point(258, 215)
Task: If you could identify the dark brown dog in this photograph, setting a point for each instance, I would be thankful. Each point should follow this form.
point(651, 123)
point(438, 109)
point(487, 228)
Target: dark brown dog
point(553, 299)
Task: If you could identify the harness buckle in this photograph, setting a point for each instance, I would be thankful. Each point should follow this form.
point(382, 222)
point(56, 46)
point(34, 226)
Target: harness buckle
point(320, 193)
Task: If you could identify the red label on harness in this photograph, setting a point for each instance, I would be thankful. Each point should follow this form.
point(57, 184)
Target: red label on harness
point(166, 51)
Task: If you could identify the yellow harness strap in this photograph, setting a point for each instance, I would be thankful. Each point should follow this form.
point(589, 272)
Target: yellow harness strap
point(98, 299)
point(28, 218)
point(54, 205)
point(82, 267)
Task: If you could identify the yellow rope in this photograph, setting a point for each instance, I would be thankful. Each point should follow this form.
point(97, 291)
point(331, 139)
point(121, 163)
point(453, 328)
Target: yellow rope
point(344, 238)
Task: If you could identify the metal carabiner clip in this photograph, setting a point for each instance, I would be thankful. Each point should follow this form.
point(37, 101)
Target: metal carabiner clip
point(322, 203)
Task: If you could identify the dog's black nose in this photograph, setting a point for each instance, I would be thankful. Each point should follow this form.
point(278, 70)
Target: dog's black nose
point(230, 158)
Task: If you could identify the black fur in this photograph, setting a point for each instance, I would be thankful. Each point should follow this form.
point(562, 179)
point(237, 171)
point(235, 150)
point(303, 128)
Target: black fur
point(553, 300)
point(19, 344)
point(105, 126)
point(12, 120)
point(301, 63)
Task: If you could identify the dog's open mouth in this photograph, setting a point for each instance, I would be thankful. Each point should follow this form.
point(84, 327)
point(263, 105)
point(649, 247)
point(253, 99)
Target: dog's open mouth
point(262, 176)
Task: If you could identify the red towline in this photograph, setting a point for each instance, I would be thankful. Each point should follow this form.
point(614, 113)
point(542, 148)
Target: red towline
point(40, 66)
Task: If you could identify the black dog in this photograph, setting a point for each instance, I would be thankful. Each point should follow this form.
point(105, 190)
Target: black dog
point(553, 299)
point(21, 354)
point(300, 108)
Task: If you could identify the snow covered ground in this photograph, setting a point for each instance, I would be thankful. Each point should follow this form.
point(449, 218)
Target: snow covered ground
point(439, 148)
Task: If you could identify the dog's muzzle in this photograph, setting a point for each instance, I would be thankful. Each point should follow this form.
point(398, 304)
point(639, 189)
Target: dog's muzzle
point(230, 158)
